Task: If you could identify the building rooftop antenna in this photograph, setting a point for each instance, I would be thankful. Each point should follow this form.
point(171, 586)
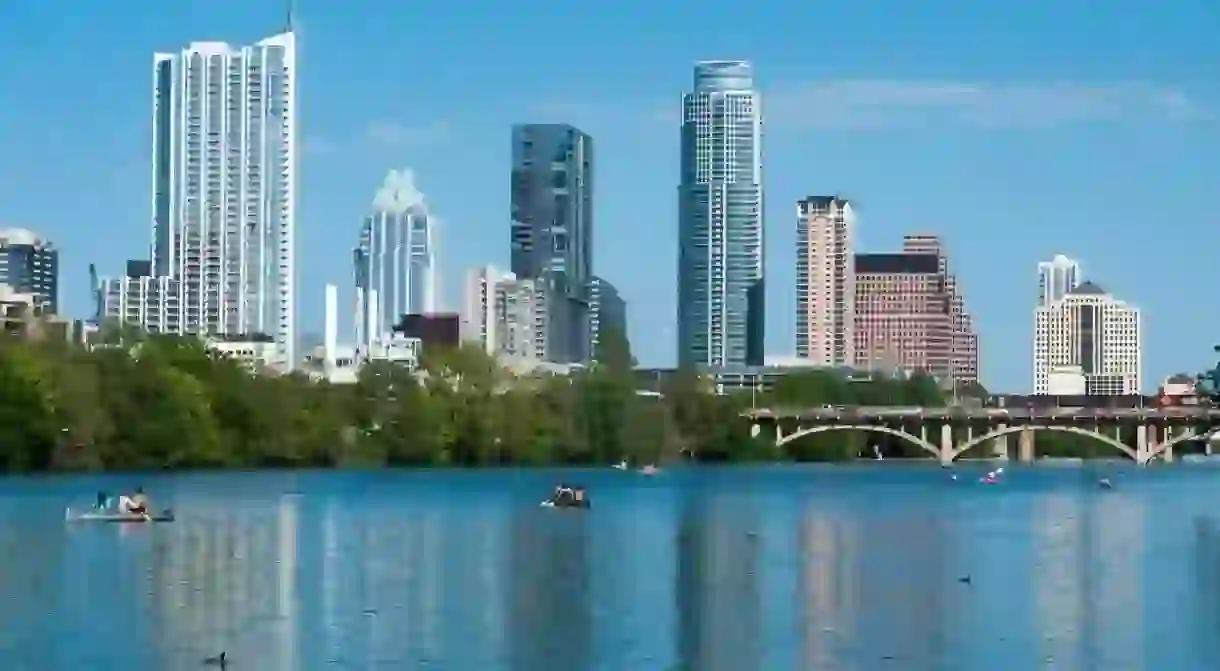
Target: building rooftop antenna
point(292, 11)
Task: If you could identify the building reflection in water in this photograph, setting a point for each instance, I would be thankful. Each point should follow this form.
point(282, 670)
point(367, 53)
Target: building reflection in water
point(1115, 616)
point(1205, 581)
point(717, 582)
point(1060, 574)
point(226, 580)
point(633, 551)
point(828, 577)
point(549, 610)
point(898, 584)
point(414, 586)
point(779, 566)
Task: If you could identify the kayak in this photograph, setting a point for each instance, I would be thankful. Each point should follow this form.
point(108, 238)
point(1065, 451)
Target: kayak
point(163, 516)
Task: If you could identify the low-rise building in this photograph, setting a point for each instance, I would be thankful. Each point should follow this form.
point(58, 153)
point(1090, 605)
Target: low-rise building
point(257, 352)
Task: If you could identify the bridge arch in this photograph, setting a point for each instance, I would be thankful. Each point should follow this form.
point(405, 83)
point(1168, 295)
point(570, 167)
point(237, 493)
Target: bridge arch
point(1190, 435)
point(1007, 431)
point(916, 440)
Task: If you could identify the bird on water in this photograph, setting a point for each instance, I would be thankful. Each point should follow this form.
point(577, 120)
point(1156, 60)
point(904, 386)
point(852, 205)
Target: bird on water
point(219, 660)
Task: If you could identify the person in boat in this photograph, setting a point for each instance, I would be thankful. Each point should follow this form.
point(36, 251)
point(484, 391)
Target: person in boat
point(136, 504)
point(567, 496)
point(103, 501)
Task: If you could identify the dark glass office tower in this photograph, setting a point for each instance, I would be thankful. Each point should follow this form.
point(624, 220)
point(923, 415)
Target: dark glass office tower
point(30, 265)
point(721, 312)
point(552, 229)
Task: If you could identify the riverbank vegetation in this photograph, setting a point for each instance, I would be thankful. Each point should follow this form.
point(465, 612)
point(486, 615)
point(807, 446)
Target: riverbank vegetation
point(157, 402)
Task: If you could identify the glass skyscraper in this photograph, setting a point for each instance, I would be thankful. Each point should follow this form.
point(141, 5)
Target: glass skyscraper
point(395, 264)
point(552, 229)
point(721, 294)
point(224, 187)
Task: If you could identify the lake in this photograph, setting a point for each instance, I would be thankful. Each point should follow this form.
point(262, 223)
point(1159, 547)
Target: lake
point(707, 569)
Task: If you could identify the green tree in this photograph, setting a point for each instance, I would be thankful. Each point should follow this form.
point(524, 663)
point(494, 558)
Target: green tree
point(28, 429)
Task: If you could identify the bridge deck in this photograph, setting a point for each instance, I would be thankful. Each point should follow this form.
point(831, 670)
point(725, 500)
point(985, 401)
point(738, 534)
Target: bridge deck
point(878, 413)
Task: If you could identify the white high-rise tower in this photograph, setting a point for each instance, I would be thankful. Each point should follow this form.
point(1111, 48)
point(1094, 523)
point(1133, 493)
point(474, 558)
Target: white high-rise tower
point(1087, 343)
point(224, 187)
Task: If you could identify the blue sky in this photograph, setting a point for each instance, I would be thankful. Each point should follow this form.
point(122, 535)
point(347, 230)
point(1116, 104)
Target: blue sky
point(1087, 128)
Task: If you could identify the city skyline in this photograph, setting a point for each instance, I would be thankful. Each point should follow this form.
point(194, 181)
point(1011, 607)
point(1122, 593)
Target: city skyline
point(971, 153)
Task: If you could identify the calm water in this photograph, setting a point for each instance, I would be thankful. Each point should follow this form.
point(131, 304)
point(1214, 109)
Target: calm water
point(780, 568)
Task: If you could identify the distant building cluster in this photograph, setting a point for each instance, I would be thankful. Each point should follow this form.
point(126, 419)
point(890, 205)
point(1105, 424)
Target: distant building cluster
point(894, 311)
point(549, 307)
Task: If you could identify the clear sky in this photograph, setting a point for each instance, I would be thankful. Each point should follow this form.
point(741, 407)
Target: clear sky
point(1014, 130)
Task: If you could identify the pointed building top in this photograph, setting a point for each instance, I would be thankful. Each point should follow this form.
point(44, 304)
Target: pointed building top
point(398, 194)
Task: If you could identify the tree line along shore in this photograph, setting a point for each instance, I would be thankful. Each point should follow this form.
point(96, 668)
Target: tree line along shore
point(149, 402)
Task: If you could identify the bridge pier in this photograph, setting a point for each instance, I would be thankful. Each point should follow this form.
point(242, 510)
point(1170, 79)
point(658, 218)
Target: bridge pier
point(946, 444)
point(1000, 444)
point(1025, 446)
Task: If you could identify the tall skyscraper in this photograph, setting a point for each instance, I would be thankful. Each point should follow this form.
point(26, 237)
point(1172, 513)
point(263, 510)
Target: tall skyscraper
point(1056, 278)
point(30, 265)
point(224, 187)
point(552, 228)
point(395, 263)
point(1089, 334)
point(825, 281)
point(721, 294)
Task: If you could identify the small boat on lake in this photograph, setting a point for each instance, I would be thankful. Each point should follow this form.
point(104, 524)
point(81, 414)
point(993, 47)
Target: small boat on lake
point(166, 515)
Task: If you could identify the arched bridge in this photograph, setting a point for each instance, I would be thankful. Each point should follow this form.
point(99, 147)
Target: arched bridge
point(949, 449)
point(916, 440)
point(1010, 430)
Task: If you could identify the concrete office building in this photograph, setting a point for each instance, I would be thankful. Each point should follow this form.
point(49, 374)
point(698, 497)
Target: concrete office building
point(551, 236)
point(479, 317)
point(964, 354)
point(396, 258)
point(1056, 278)
point(506, 316)
point(1093, 335)
point(30, 265)
point(903, 321)
point(825, 281)
point(154, 303)
point(607, 310)
point(721, 310)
